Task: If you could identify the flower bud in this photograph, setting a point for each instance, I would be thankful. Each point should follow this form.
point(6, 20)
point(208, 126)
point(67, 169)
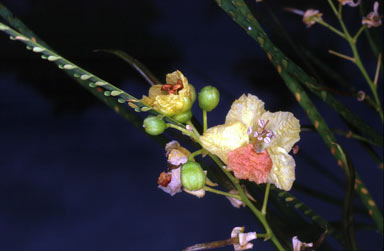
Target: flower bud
point(192, 176)
point(154, 125)
point(183, 117)
point(209, 97)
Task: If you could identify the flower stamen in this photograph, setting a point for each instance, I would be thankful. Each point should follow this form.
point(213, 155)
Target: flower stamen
point(173, 89)
point(261, 135)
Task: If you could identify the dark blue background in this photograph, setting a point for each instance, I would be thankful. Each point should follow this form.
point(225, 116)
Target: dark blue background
point(76, 176)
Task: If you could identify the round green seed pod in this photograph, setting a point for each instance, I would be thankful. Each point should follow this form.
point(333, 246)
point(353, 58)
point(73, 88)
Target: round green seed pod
point(192, 176)
point(209, 97)
point(183, 117)
point(154, 125)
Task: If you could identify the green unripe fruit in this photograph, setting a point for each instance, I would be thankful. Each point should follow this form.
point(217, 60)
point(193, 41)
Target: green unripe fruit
point(209, 97)
point(192, 176)
point(183, 117)
point(154, 125)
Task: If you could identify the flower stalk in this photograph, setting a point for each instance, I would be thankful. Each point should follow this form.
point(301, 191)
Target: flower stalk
point(352, 42)
point(265, 202)
point(205, 122)
point(212, 190)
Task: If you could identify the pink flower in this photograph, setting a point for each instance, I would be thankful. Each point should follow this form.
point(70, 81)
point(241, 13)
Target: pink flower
point(373, 19)
point(310, 16)
point(350, 3)
point(298, 245)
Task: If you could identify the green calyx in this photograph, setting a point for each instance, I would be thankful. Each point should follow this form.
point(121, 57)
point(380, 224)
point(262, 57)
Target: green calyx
point(193, 93)
point(192, 176)
point(154, 125)
point(209, 98)
point(183, 117)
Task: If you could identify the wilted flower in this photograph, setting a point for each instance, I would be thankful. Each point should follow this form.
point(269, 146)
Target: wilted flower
point(373, 19)
point(170, 182)
point(351, 3)
point(254, 143)
point(298, 245)
point(177, 155)
point(172, 98)
point(310, 16)
point(198, 193)
point(244, 238)
point(235, 202)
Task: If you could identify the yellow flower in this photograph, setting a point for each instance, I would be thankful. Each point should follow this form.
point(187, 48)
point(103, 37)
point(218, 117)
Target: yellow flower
point(172, 98)
point(254, 143)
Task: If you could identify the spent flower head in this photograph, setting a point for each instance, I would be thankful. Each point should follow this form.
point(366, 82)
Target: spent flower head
point(373, 19)
point(254, 143)
point(243, 239)
point(298, 245)
point(350, 3)
point(311, 16)
point(170, 182)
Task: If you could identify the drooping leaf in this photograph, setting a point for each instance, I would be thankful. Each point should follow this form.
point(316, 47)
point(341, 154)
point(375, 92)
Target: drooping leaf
point(142, 69)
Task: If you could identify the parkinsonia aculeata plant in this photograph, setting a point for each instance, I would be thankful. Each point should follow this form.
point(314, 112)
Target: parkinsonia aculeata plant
point(252, 148)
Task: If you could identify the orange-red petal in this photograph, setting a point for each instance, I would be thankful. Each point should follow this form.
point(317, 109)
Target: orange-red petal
point(247, 164)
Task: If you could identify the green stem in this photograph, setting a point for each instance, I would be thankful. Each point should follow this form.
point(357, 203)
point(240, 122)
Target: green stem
point(183, 131)
point(362, 28)
point(330, 27)
point(205, 123)
point(194, 130)
point(266, 235)
point(352, 43)
point(367, 78)
point(194, 154)
point(265, 202)
point(249, 204)
point(333, 8)
point(212, 190)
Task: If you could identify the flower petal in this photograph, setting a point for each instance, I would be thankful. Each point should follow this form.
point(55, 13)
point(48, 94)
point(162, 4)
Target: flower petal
point(246, 109)
point(173, 77)
point(222, 139)
point(285, 127)
point(170, 104)
point(283, 168)
point(247, 164)
point(174, 186)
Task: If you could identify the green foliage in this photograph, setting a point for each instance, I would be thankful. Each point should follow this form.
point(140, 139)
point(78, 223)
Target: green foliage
point(293, 77)
point(193, 177)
